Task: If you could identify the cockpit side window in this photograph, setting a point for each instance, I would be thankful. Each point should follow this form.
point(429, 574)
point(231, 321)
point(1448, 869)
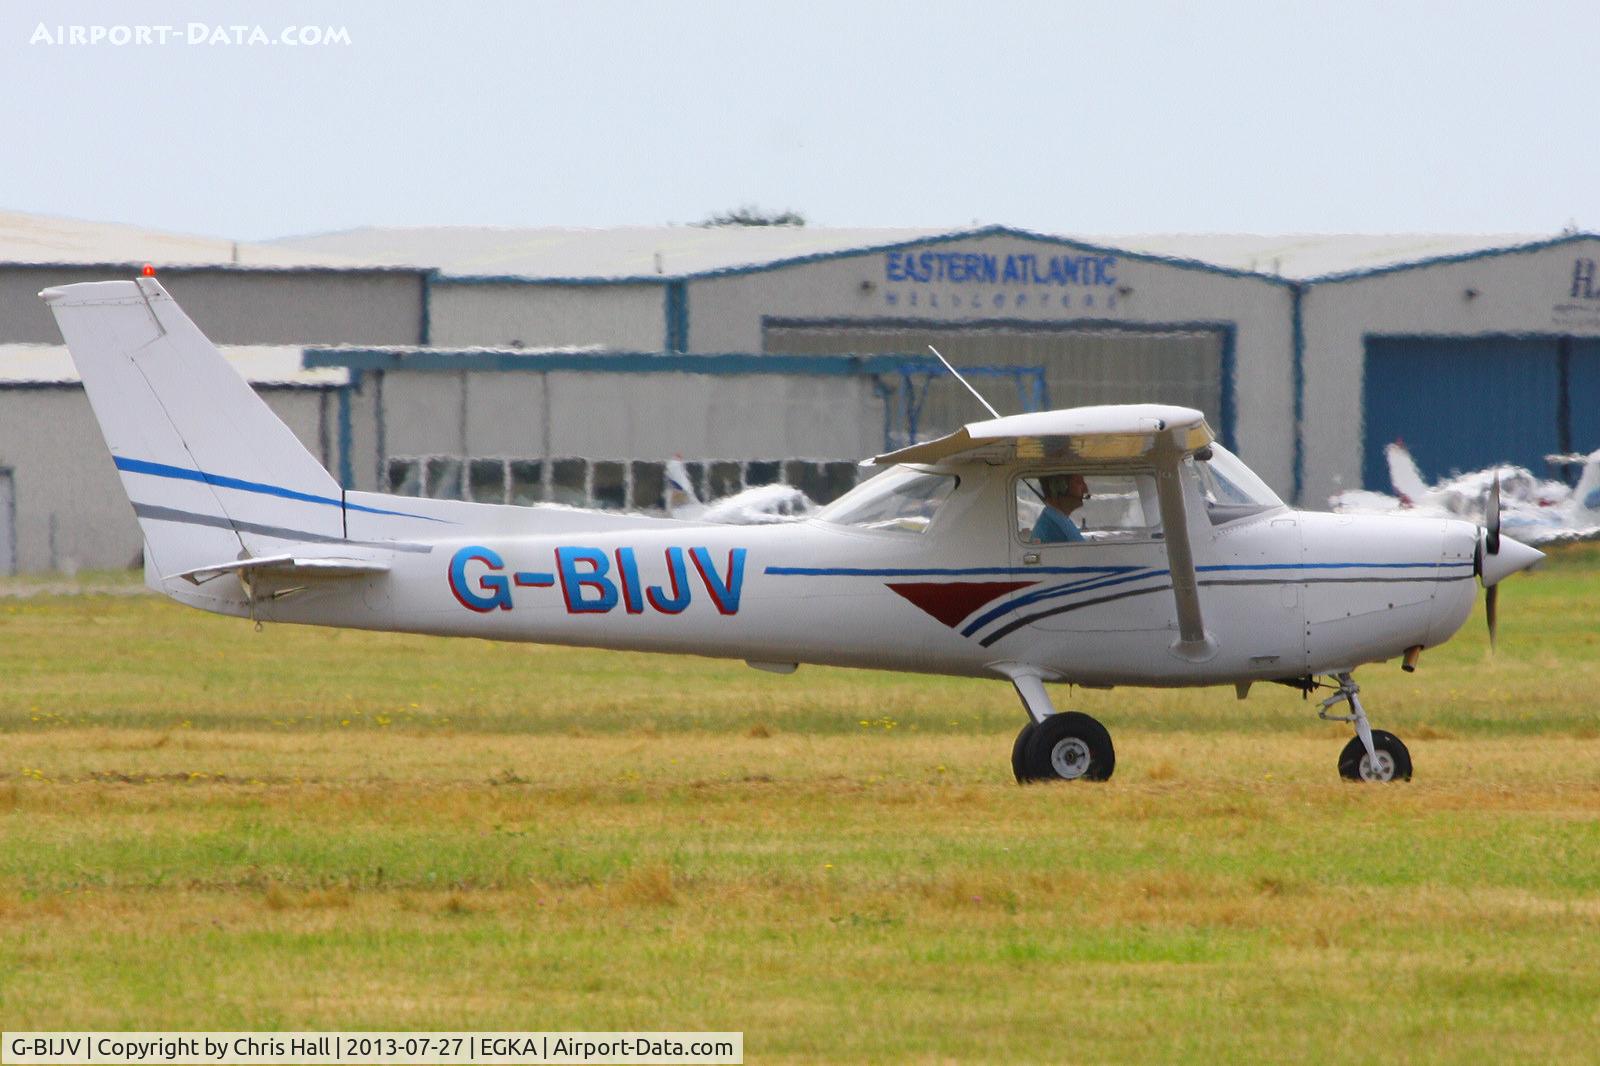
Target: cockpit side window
point(1061, 507)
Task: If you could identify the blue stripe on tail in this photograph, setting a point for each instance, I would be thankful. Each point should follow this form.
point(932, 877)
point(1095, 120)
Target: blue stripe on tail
point(140, 466)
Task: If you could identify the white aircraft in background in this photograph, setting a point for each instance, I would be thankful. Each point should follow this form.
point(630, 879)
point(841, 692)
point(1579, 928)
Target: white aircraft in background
point(1535, 510)
point(1180, 567)
point(757, 505)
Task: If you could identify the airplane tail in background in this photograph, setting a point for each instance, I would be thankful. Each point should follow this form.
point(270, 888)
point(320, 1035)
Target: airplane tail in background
point(1404, 476)
point(682, 501)
point(212, 473)
point(1586, 493)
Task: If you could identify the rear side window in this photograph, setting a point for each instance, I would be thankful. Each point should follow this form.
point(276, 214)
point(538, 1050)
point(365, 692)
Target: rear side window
point(903, 500)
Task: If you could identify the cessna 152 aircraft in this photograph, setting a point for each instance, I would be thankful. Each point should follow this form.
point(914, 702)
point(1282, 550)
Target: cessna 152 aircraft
point(1175, 565)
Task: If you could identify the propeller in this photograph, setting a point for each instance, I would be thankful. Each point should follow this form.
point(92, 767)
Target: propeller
point(1491, 546)
point(1491, 518)
point(1498, 557)
point(1491, 597)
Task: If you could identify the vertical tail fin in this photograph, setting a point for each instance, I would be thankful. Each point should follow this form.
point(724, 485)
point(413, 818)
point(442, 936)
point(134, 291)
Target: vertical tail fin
point(1586, 493)
point(1404, 475)
point(681, 499)
point(212, 473)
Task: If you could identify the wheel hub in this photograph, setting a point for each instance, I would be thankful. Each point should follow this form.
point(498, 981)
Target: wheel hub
point(1384, 771)
point(1070, 758)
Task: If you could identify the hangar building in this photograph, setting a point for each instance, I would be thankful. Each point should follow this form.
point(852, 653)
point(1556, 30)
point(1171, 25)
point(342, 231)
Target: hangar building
point(557, 364)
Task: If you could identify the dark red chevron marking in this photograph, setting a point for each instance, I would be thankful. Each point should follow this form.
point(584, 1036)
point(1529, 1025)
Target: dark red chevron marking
point(950, 602)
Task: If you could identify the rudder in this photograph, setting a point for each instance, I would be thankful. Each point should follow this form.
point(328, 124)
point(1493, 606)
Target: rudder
point(211, 472)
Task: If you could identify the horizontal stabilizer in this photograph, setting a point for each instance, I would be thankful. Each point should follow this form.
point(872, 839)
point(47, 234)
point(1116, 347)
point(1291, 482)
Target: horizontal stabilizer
point(286, 566)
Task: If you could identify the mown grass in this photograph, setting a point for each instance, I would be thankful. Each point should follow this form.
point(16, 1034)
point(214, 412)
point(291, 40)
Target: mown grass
point(205, 827)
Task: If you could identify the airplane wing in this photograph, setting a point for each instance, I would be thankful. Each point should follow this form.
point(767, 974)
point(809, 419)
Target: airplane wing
point(1108, 433)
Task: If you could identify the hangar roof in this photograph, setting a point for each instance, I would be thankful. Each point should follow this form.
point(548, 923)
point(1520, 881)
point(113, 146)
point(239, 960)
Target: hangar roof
point(641, 252)
point(617, 252)
point(652, 252)
point(1304, 256)
point(26, 238)
point(266, 364)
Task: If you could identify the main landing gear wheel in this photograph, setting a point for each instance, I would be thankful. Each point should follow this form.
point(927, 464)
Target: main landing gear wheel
point(1394, 761)
point(1069, 746)
point(1019, 752)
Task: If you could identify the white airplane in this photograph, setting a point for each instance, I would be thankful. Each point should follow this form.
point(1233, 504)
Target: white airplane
point(1181, 568)
point(757, 505)
point(1535, 510)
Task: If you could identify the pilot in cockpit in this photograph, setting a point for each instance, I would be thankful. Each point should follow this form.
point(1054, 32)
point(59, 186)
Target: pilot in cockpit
point(1063, 494)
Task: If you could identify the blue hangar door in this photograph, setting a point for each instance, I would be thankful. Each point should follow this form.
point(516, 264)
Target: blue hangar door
point(1583, 396)
point(1465, 403)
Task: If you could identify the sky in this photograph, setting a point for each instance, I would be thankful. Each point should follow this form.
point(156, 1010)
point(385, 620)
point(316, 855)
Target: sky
point(1067, 118)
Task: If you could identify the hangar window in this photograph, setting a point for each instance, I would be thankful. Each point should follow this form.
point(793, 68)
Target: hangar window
point(444, 478)
point(648, 485)
point(486, 481)
point(608, 485)
point(569, 482)
point(405, 477)
point(761, 473)
point(527, 482)
point(636, 485)
point(904, 500)
point(723, 479)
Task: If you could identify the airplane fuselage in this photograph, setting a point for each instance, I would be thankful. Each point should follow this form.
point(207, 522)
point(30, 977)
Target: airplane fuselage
point(1286, 594)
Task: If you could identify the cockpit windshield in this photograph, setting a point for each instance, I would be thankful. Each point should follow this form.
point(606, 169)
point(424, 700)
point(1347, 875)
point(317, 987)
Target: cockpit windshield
point(1231, 489)
point(903, 500)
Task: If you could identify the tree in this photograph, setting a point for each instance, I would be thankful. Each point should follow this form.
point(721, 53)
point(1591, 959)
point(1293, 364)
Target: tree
point(751, 215)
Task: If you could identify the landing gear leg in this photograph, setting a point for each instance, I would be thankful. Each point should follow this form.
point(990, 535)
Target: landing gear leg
point(1373, 755)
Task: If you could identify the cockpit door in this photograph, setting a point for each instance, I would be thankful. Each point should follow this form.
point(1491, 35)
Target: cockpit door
point(1096, 566)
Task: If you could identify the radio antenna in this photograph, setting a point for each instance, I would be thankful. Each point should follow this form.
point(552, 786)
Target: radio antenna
point(964, 381)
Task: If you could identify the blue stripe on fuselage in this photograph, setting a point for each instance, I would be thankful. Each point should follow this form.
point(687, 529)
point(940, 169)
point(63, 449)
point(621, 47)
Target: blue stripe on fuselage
point(939, 571)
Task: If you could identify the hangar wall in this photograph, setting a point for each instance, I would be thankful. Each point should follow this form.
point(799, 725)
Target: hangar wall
point(726, 313)
point(509, 314)
point(71, 511)
point(626, 416)
point(243, 306)
point(1520, 295)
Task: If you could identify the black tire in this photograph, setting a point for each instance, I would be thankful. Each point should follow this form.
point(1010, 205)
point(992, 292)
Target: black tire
point(1067, 747)
point(1385, 744)
point(1019, 751)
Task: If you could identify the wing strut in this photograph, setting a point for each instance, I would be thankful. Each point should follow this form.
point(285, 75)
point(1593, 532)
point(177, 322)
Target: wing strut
point(1194, 643)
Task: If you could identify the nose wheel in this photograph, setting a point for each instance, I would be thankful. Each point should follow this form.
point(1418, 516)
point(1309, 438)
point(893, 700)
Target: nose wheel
point(1372, 754)
point(1392, 763)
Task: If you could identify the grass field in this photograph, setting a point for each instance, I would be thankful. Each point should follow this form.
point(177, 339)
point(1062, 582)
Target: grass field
point(205, 827)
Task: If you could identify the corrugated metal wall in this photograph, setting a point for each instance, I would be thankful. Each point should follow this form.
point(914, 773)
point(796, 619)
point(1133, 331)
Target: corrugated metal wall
point(1081, 366)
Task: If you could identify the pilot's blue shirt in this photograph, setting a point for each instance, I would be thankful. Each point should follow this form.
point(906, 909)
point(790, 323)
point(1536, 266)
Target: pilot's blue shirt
point(1053, 527)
